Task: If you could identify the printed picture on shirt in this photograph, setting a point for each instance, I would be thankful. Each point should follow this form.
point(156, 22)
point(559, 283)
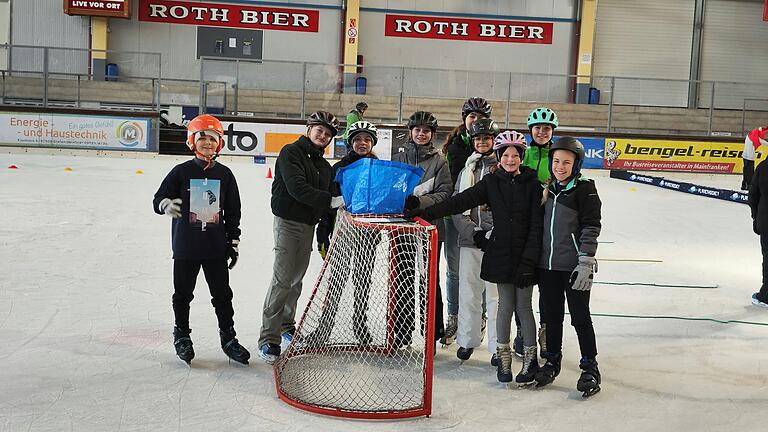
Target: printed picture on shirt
point(204, 202)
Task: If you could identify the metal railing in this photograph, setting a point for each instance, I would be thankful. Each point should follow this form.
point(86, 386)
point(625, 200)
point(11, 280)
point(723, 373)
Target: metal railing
point(50, 76)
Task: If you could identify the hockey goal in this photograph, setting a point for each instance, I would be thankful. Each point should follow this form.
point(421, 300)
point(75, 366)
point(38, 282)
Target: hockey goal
point(363, 347)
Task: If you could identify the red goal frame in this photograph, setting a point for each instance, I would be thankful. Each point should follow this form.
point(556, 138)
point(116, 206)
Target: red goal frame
point(429, 352)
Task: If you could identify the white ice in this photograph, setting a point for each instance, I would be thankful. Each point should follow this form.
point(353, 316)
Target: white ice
point(86, 319)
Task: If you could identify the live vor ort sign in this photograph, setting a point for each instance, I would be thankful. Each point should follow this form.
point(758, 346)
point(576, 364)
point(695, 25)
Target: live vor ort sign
point(108, 8)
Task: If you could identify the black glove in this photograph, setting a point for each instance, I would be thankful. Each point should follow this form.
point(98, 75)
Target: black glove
point(526, 275)
point(481, 240)
point(233, 252)
point(323, 238)
point(411, 203)
point(412, 213)
point(754, 227)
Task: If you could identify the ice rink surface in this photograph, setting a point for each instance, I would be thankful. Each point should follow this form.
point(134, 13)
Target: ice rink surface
point(86, 318)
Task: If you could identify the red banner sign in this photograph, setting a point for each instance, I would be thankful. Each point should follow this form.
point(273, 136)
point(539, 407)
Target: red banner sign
point(486, 30)
point(765, 11)
point(108, 8)
point(227, 15)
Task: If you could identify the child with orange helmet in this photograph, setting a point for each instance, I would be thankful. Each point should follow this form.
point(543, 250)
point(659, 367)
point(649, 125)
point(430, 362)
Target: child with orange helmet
point(203, 201)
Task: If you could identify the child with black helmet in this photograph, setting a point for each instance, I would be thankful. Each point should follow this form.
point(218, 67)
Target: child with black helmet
point(474, 226)
point(435, 186)
point(353, 117)
point(512, 246)
point(363, 137)
point(202, 198)
point(456, 149)
point(301, 194)
point(571, 227)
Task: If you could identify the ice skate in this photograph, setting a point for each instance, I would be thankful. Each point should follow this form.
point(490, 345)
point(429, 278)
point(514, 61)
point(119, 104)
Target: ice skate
point(542, 339)
point(530, 367)
point(589, 381)
point(483, 324)
point(285, 339)
point(183, 344)
point(464, 353)
point(757, 302)
point(451, 326)
point(363, 335)
point(504, 367)
point(269, 352)
point(232, 347)
point(517, 344)
point(550, 370)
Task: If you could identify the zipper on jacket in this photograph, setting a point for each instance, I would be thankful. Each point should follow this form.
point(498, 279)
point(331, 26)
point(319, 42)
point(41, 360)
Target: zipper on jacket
point(552, 231)
point(575, 245)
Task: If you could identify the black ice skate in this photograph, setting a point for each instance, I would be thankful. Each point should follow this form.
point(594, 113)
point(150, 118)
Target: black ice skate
point(550, 370)
point(530, 367)
point(517, 344)
point(183, 344)
point(464, 353)
point(232, 347)
point(451, 326)
point(504, 364)
point(589, 381)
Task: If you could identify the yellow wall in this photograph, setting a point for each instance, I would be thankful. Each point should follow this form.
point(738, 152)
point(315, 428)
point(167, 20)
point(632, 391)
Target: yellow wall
point(351, 35)
point(99, 36)
point(586, 40)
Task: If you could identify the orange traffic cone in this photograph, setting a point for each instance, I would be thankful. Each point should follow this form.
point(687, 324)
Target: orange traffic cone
point(269, 173)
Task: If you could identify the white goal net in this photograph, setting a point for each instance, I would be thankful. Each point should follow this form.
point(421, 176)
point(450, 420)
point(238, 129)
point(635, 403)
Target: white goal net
point(362, 347)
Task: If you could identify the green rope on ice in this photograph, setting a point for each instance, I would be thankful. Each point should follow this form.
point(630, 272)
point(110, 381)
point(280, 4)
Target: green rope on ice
point(714, 320)
point(660, 285)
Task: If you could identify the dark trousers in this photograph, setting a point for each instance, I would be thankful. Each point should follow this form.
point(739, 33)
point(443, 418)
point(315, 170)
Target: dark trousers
point(405, 310)
point(554, 289)
point(763, 294)
point(749, 171)
point(340, 267)
point(217, 275)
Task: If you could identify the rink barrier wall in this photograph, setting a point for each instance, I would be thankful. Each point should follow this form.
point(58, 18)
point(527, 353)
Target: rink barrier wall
point(91, 130)
point(694, 189)
point(648, 152)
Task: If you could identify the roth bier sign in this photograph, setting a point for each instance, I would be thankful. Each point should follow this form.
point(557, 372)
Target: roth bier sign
point(107, 8)
point(229, 15)
point(487, 30)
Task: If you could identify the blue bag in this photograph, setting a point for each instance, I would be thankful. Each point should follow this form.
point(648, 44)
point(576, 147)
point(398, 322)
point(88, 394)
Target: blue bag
point(376, 186)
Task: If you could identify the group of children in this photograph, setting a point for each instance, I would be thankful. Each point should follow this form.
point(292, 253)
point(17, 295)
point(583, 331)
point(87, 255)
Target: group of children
point(521, 215)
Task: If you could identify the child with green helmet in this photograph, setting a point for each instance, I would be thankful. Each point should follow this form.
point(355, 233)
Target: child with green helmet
point(542, 123)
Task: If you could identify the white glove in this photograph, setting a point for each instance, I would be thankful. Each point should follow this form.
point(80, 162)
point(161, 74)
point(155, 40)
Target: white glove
point(581, 278)
point(171, 207)
point(337, 201)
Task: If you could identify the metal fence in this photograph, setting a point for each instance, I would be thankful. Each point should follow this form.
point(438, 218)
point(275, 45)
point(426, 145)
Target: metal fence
point(50, 76)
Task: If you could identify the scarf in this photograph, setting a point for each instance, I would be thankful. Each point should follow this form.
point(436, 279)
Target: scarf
point(467, 178)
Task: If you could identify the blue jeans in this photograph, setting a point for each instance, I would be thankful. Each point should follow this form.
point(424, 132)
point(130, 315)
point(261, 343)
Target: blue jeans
point(452, 275)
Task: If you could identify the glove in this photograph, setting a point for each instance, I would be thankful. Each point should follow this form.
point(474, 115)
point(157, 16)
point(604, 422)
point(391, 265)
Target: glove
point(411, 202)
point(526, 275)
point(480, 239)
point(754, 227)
point(581, 278)
point(337, 201)
point(323, 249)
point(412, 213)
point(171, 207)
point(233, 252)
